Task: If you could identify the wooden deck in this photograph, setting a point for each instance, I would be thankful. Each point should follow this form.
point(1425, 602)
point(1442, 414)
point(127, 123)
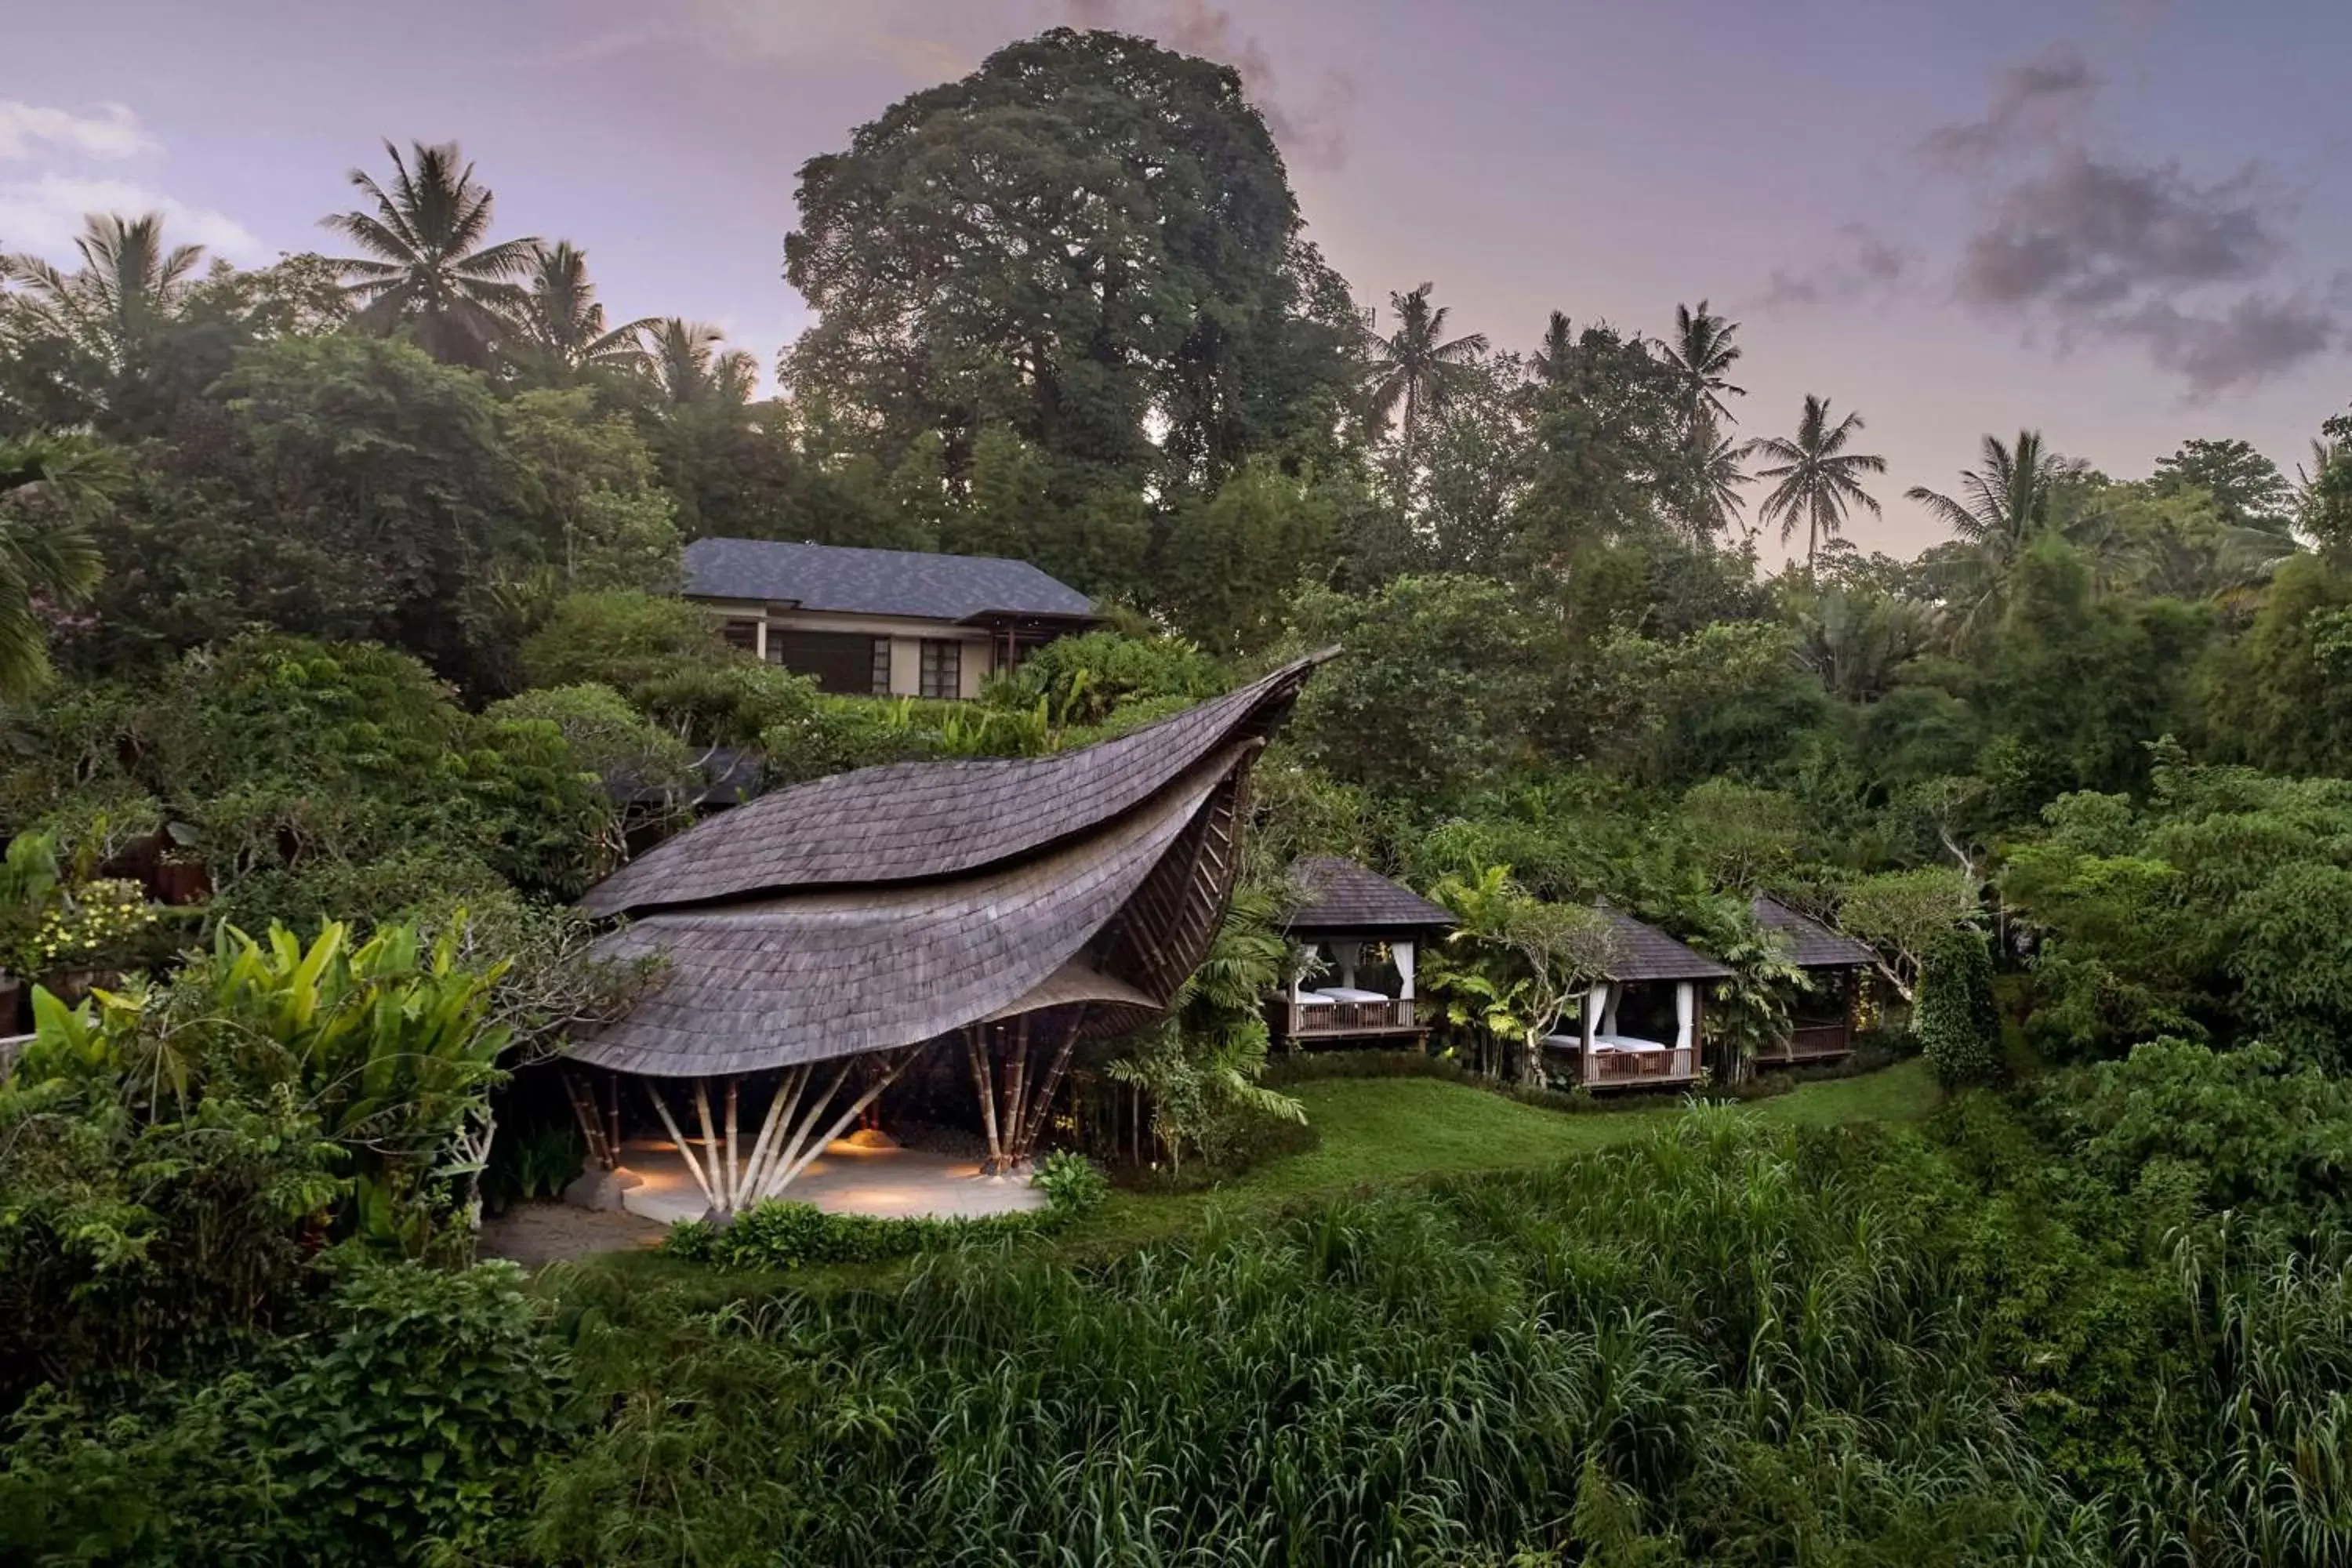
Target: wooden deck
point(1810, 1043)
point(1638, 1069)
point(1349, 1020)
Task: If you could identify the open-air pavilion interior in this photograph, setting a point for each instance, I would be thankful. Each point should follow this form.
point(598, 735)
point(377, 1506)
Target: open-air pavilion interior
point(1644, 1026)
point(1357, 937)
point(1822, 1022)
point(879, 933)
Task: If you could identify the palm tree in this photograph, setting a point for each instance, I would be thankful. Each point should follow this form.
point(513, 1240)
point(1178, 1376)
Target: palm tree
point(1817, 476)
point(2324, 454)
point(2005, 505)
point(1415, 368)
point(559, 333)
point(128, 283)
point(47, 485)
point(427, 264)
point(1717, 476)
point(1701, 354)
point(692, 372)
point(1554, 361)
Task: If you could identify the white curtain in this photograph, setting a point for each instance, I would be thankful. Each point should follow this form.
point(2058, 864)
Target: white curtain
point(1609, 1015)
point(1596, 1001)
point(1348, 952)
point(1686, 1011)
point(1402, 951)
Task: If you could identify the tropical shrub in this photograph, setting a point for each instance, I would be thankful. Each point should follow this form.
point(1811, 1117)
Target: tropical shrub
point(178, 1154)
point(403, 1427)
point(1958, 1025)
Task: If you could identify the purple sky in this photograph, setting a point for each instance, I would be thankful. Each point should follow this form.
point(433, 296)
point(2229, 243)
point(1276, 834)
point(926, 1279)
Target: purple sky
point(2122, 221)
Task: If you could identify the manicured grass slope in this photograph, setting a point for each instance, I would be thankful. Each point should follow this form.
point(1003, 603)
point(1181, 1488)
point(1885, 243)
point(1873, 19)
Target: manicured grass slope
point(1378, 1132)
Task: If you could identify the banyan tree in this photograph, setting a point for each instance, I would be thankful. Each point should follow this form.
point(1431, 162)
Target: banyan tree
point(814, 942)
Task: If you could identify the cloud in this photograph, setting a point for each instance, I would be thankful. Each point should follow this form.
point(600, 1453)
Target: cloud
point(109, 130)
point(43, 216)
point(1869, 265)
point(2102, 247)
point(1311, 130)
point(2087, 234)
point(2031, 102)
point(2254, 337)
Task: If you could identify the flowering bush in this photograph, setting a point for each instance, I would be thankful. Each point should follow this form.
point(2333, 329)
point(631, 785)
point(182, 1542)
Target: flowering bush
point(91, 925)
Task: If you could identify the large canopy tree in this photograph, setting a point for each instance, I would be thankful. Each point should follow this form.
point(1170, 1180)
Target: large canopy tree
point(1090, 241)
point(427, 265)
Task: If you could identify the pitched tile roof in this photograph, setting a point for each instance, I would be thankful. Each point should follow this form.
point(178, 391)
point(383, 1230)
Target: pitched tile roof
point(1812, 945)
point(1646, 952)
point(922, 820)
point(1345, 896)
point(876, 582)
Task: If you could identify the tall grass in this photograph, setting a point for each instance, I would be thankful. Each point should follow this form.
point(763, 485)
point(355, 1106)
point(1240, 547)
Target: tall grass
point(1724, 1343)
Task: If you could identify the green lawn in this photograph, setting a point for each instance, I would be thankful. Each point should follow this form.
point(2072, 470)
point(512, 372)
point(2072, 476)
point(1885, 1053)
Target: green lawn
point(1377, 1130)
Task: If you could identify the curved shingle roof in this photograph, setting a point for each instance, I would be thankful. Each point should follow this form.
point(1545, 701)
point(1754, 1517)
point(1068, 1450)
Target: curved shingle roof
point(1343, 897)
point(876, 582)
point(1812, 944)
point(809, 977)
point(920, 820)
point(883, 909)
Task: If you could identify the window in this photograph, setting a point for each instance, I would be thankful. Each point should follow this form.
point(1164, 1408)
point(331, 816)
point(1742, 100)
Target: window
point(744, 635)
point(942, 669)
point(842, 662)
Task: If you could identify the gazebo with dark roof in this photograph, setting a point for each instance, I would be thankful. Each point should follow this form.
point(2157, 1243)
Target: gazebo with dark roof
point(815, 941)
point(1645, 1025)
point(1355, 913)
point(1821, 1025)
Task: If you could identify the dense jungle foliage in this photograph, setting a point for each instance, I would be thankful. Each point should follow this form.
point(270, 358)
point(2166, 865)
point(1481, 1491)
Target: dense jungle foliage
point(338, 651)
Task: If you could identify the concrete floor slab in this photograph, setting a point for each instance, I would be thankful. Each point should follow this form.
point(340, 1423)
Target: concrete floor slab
point(895, 1183)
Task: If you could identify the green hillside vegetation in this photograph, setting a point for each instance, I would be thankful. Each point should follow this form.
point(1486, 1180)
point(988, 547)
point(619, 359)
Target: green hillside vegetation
point(341, 652)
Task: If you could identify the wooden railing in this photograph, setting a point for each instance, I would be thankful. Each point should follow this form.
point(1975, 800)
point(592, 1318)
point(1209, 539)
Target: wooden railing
point(1616, 1069)
point(1811, 1043)
point(1309, 1019)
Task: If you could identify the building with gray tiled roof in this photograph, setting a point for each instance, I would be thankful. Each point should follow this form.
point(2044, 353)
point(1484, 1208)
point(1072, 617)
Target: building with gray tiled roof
point(882, 622)
point(1372, 930)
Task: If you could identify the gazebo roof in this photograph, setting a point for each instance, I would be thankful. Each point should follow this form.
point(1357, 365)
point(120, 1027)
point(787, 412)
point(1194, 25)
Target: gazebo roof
point(881, 908)
point(1812, 945)
point(1646, 952)
point(1345, 899)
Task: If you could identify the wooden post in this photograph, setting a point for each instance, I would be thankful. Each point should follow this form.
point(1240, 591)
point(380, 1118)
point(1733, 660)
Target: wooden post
point(693, 1166)
point(1042, 1101)
point(582, 1092)
point(613, 1113)
point(1016, 1081)
point(984, 1080)
point(797, 1152)
point(734, 1166)
point(725, 1199)
point(780, 1106)
point(872, 1092)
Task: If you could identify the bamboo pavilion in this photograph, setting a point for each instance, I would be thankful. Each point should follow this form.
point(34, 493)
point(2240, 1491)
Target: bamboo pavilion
point(815, 941)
